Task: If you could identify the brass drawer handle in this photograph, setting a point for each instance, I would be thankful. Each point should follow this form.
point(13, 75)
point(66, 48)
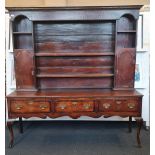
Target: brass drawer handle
point(86, 106)
point(106, 105)
point(19, 107)
point(74, 103)
point(131, 105)
point(43, 107)
point(62, 106)
point(118, 102)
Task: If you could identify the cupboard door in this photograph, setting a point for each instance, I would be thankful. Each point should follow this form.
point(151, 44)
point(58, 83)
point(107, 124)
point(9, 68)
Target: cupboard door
point(24, 69)
point(125, 68)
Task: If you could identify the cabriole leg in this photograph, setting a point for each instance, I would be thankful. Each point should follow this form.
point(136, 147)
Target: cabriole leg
point(130, 124)
point(20, 125)
point(10, 127)
point(139, 121)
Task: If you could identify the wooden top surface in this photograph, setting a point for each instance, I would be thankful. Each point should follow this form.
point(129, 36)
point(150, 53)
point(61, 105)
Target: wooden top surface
point(76, 93)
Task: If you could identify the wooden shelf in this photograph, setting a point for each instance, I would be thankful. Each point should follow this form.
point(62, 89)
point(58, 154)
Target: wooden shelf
point(76, 34)
point(104, 67)
point(73, 75)
point(20, 33)
point(127, 31)
point(24, 49)
point(75, 54)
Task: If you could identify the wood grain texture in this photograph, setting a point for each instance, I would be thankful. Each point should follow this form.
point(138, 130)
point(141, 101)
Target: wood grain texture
point(123, 103)
point(128, 58)
point(75, 82)
point(71, 106)
point(75, 70)
point(24, 106)
point(74, 61)
point(24, 68)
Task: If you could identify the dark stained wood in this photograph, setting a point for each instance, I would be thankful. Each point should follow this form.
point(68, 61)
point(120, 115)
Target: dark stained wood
point(127, 22)
point(74, 75)
point(22, 24)
point(74, 106)
point(22, 41)
point(80, 61)
point(78, 45)
point(24, 69)
point(75, 82)
point(119, 104)
point(20, 125)
point(75, 93)
point(125, 68)
point(139, 121)
point(77, 13)
point(26, 106)
point(74, 53)
point(126, 40)
point(74, 61)
point(74, 28)
point(130, 124)
point(75, 70)
point(10, 125)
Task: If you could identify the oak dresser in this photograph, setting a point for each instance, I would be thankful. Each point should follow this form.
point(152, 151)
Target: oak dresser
point(74, 62)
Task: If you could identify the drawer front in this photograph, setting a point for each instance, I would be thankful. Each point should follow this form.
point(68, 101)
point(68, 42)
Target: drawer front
point(74, 106)
point(29, 106)
point(132, 105)
point(119, 105)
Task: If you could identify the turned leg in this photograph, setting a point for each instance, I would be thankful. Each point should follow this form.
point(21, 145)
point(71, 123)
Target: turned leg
point(20, 125)
point(10, 125)
point(139, 121)
point(130, 124)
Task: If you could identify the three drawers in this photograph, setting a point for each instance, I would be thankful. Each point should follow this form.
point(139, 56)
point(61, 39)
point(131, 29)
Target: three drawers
point(29, 106)
point(41, 105)
point(118, 105)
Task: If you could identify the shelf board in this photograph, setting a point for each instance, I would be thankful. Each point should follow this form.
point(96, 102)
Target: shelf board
point(21, 33)
point(74, 54)
point(24, 49)
point(73, 75)
point(127, 31)
point(105, 67)
point(84, 34)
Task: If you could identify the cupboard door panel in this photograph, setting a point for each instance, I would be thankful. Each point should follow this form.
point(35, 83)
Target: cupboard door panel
point(125, 68)
point(24, 69)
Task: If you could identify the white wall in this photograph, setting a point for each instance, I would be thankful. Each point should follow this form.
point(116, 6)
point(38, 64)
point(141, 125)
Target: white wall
point(145, 59)
point(142, 56)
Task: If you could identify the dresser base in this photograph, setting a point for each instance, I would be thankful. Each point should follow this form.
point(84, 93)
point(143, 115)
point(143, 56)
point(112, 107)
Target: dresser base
point(56, 103)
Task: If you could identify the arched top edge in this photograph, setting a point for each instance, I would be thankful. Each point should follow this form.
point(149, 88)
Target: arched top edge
point(19, 16)
point(129, 15)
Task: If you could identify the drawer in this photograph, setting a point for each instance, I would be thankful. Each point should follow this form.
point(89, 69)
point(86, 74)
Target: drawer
point(118, 105)
point(29, 106)
point(74, 106)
